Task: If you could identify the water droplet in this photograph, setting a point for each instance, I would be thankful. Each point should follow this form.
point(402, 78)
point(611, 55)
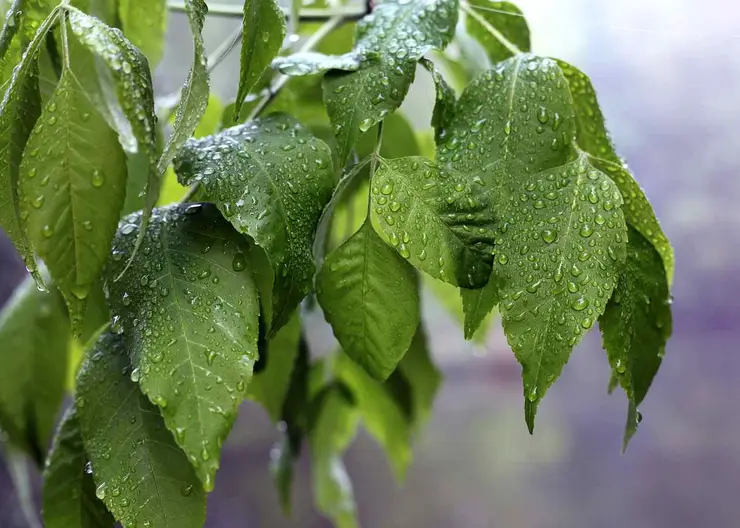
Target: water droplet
point(580, 304)
point(549, 236)
point(97, 179)
point(239, 263)
point(100, 491)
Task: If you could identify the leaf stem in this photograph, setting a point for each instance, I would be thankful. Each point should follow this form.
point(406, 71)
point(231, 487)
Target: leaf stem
point(468, 9)
point(307, 14)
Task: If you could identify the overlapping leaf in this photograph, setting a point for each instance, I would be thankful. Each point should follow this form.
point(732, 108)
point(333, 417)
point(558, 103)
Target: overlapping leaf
point(637, 323)
point(62, 183)
point(271, 179)
point(144, 23)
point(421, 376)
point(444, 107)
point(140, 473)
point(500, 27)
point(34, 334)
point(561, 233)
point(369, 296)
point(69, 489)
point(188, 311)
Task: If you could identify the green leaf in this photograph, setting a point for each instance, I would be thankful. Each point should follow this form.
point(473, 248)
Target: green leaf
point(440, 221)
point(422, 377)
point(133, 82)
point(61, 187)
point(369, 296)
point(390, 41)
point(263, 31)
point(331, 433)
point(477, 305)
point(500, 27)
point(271, 179)
point(270, 386)
point(313, 63)
point(141, 475)
point(561, 233)
point(450, 299)
point(35, 13)
point(69, 489)
point(194, 94)
point(144, 23)
point(444, 107)
point(594, 139)
point(188, 311)
point(19, 111)
point(33, 353)
point(381, 415)
point(637, 322)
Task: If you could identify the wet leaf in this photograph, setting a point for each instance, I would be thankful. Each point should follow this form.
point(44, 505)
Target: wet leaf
point(194, 93)
point(144, 23)
point(271, 179)
point(33, 353)
point(188, 312)
point(594, 139)
point(444, 107)
point(263, 31)
point(500, 27)
point(140, 473)
point(313, 63)
point(69, 499)
point(369, 296)
point(389, 41)
point(440, 221)
point(637, 323)
point(561, 232)
point(62, 180)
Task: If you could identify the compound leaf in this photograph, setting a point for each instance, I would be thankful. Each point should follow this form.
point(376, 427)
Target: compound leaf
point(500, 27)
point(263, 31)
point(69, 499)
point(188, 311)
point(34, 334)
point(63, 181)
point(144, 23)
point(440, 221)
point(271, 179)
point(141, 475)
point(369, 296)
point(637, 322)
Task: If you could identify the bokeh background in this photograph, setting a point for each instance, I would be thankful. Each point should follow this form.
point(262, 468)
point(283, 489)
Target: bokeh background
point(668, 78)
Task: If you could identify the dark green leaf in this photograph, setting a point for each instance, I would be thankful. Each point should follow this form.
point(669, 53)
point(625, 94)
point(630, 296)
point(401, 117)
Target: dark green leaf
point(144, 23)
point(390, 41)
point(69, 488)
point(133, 83)
point(19, 111)
point(422, 376)
point(270, 386)
point(188, 311)
point(637, 322)
point(444, 108)
point(561, 232)
point(369, 296)
point(141, 475)
point(263, 31)
point(595, 140)
point(331, 434)
point(477, 304)
point(194, 94)
point(63, 180)
point(438, 220)
point(271, 179)
point(33, 354)
point(384, 419)
point(500, 27)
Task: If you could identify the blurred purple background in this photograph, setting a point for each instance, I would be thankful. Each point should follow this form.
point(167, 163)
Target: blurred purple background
point(668, 77)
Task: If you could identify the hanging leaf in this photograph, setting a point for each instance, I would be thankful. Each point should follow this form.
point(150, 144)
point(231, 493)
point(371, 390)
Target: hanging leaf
point(444, 108)
point(19, 111)
point(34, 334)
point(370, 298)
point(594, 139)
point(188, 311)
point(637, 323)
point(440, 221)
point(477, 305)
point(141, 475)
point(144, 23)
point(263, 31)
point(500, 27)
point(194, 94)
point(62, 186)
point(390, 41)
point(381, 414)
point(422, 377)
point(561, 232)
point(271, 179)
point(69, 489)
